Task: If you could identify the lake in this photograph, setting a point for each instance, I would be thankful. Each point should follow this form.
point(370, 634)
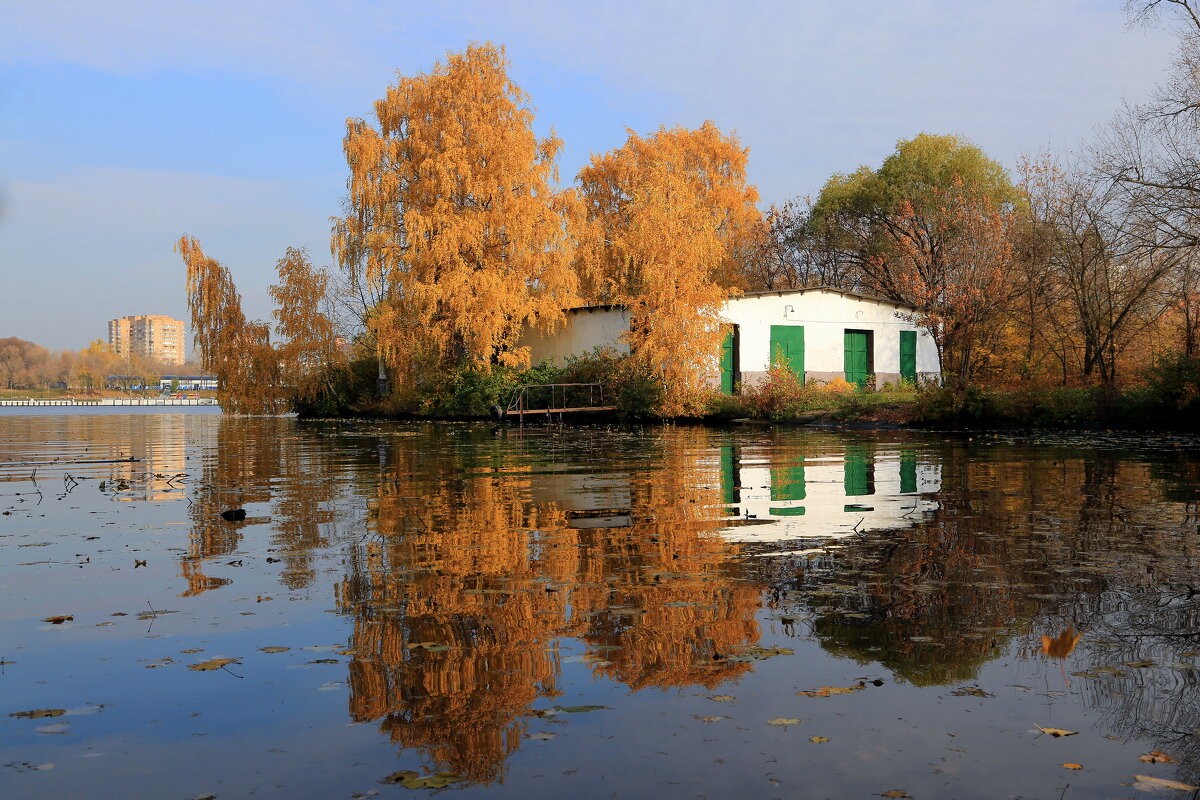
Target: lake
point(592, 612)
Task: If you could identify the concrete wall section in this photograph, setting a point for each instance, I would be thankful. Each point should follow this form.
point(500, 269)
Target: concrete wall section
point(585, 330)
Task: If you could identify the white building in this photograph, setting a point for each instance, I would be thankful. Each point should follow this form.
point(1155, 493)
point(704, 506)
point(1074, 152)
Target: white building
point(819, 333)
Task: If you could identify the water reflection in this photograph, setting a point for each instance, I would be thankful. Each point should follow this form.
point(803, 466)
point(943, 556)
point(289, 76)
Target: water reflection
point(476, 573)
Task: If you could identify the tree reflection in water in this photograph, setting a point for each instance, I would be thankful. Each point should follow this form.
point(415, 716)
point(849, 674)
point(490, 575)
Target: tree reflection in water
point(481, 552)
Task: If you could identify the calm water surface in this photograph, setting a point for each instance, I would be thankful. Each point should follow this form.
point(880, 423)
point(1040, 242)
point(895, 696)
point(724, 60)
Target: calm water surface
point(591, 613)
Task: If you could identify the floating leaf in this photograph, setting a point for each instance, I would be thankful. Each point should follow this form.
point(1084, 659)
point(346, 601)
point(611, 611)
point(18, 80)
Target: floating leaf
point(783, 722)
point(1062, 645)
point(1147, 783)
point(273, 648)
point(212, 663)
point(760, 653)
point(973, 691)
point(38, 713)
point(818, 739)
point(896, 793)
point(414, 780)
point(1156, 757)
point(59, 619)
point(578, 709)
point(721, 698)
point(1139, 664)
point(1070, 765)
point(193, 650)
point(717, 718)
point(826, 691)
point(1055, 732)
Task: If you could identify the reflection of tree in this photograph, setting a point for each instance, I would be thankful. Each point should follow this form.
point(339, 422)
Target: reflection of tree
point(464, 559)
point(1049, 543)
point(258, 460)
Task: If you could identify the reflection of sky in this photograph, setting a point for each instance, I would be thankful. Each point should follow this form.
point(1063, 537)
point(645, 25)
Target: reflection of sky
point(826, 496)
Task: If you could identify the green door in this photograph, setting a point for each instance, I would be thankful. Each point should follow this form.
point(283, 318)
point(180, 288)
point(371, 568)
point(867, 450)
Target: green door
point(908, 472)
point(787, 348)
point(908, 356)
point(857, 359)
point(727, 364)
point(860, 472)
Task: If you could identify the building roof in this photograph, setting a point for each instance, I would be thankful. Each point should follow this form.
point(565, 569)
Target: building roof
point(778, 292)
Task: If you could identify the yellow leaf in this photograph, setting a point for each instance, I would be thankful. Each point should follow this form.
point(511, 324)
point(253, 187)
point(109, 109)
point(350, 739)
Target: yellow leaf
point(1156, 757)
point(1062, 645)
point(1070, 765)
point(212, 663)
point(818, 739)
point(1055, 732)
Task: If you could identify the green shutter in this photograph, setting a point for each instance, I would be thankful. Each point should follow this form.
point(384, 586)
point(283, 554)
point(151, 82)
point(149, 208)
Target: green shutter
point(787, 483)
point(787, 348)
point(727, 364)
point(857, 359)
point(860, 473)
point(908, 472)
point(908, 355)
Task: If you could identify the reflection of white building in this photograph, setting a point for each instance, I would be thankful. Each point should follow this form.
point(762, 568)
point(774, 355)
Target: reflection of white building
point(828, 495)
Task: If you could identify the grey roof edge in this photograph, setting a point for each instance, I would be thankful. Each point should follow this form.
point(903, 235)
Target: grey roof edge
point(777, 292)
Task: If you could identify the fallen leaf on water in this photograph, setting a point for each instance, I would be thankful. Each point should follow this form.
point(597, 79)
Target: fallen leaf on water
point(896, 793)
point(721, 698)
point(212, 663)
point(59, 619)
point(818, 739)
point(578, 709)
point(38, 713)
point(826, 691)
point(432, 647)
point(760, 653)
point(273, 648)
point(193, 650)
point(973, 691)
point(1148, 784)
point(414, 780)
point(717, 718)
point(783, 722)
point(1055, 732)
point(1139, 664)
point(1070, 765)
point(1156, 757)
point(1062, 645)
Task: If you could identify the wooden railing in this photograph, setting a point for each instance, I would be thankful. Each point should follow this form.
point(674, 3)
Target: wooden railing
point(557, 398)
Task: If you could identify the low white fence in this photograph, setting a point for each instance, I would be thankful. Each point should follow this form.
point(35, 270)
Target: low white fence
point(107, 401)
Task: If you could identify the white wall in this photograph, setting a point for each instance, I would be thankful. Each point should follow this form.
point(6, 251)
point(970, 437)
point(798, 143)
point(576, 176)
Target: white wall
point(586, 329)
point(825, 317)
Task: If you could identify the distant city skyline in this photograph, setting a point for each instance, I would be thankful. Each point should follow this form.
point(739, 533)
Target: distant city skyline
point(126, 124)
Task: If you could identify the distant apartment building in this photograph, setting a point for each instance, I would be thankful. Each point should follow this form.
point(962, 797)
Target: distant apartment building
point(155, 336)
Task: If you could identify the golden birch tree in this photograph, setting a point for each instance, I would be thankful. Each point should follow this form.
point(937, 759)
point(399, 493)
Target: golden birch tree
point(453, 234)
point(310, 349)
point(237, 351)
point(667, 216)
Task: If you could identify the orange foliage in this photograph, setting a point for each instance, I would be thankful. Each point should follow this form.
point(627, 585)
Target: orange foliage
point(452, 223)
point(667, 216)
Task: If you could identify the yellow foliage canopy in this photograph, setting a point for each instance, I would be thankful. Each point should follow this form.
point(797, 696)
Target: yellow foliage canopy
point(666, 215)
point(452, 224)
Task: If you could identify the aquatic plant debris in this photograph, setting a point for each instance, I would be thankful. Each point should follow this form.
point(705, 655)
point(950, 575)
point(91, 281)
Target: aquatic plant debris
point(1156, 757)
point(827, 691)
point(414, 780)
point(783, 722)
point(1147, 783)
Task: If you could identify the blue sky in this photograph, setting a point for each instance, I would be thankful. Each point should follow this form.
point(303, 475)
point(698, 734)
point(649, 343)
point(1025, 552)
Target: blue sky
point(126, 123)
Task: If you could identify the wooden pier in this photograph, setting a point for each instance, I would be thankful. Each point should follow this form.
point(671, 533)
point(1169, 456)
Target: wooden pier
point(547, 399)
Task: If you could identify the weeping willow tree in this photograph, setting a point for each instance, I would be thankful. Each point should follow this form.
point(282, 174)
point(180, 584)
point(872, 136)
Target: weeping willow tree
point(453, 240)
point(667, 217)
point(309, 356)
point(236, 350)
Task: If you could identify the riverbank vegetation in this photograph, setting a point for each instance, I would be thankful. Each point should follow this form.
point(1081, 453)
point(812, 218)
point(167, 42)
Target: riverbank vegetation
point(1062, 290)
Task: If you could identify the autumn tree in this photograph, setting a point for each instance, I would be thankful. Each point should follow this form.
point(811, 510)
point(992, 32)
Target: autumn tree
point(453, 238)
point(923, 229)
point(309, 352)
point(666, 218)
point(236, 350)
